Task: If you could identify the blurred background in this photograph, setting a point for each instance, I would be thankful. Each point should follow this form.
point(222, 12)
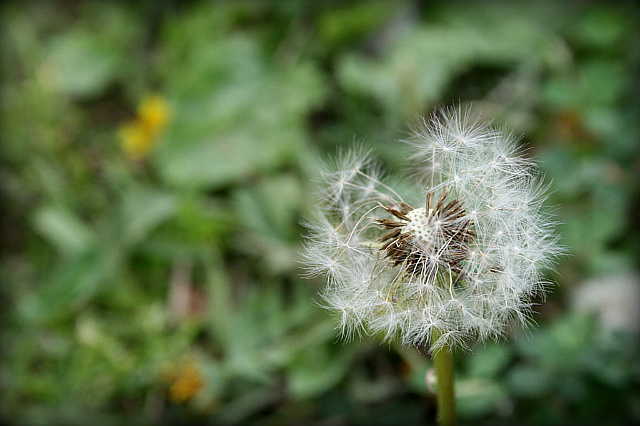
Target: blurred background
point(157, 160)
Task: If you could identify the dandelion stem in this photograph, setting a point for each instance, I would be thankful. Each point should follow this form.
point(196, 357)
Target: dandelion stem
point(443, 364)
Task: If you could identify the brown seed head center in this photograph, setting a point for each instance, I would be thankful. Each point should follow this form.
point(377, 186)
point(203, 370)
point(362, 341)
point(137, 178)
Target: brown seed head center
point(429, 239)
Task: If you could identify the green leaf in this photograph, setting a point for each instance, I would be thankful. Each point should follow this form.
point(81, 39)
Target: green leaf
point(64, 230)
point(92, 54)
point(343, 24)
point(316, 371)
point(601, 27)
point(268, 212)
point(489, 361)
point(143, 209)
point(529, 382)
point(79, 65)
point(236, 115)
point(476, 398)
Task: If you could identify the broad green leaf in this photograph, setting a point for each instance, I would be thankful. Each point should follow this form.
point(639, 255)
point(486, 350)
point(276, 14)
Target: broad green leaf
point(236, 115)
point(529, 382)
point(489, 361)
point(64, 230)
point(316, 371)
point(476, 398)
point(143, 209)
point(93, 53)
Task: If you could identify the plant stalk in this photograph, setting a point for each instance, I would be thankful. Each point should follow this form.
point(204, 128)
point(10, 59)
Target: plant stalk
point(443, 364)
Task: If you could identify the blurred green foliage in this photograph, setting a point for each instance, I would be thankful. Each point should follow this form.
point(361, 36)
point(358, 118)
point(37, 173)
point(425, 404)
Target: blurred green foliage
point(166, 289)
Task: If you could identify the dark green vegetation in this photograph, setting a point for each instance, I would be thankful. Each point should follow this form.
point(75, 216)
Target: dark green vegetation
point(164, 288)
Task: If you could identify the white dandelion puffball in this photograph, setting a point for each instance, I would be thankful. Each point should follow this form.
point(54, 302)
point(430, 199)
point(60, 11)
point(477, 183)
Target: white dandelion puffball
point(459, 255)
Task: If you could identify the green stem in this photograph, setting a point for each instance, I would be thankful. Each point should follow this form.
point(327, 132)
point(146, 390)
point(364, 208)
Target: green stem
point(443, 363)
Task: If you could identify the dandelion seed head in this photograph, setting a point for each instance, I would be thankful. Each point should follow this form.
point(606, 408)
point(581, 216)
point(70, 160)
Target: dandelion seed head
point(462, 253)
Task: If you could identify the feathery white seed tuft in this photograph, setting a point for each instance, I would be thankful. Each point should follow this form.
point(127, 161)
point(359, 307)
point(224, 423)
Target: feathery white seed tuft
point(464, 258)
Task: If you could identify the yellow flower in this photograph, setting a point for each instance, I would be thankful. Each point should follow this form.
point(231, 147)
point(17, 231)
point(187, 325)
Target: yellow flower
point(153, 114)
point(136, 140)
point(139, 136)
point(186, 383)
